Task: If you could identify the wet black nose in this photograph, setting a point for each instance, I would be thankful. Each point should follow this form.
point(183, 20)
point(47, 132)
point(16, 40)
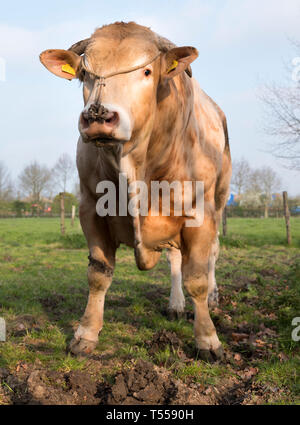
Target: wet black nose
point(96, 112)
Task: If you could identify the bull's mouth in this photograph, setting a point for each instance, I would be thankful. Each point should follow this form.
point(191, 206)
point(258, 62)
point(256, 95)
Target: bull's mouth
point(103, 141)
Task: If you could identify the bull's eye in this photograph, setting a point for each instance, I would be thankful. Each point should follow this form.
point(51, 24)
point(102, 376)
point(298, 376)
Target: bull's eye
point(147, 72)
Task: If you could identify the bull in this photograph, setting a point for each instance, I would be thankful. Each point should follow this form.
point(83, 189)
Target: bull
point(147, 118)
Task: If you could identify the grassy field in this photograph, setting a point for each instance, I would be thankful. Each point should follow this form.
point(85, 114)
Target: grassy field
point(43, 293)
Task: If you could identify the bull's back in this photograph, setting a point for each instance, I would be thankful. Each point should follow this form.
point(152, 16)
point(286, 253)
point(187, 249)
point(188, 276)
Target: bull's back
point(214, 145)
point(209, 118)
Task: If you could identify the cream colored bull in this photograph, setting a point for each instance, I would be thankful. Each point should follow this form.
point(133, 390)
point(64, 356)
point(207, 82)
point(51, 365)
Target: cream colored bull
point(144, 115)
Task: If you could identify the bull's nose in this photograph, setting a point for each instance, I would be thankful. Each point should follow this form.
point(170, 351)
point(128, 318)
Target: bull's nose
point(92, 129)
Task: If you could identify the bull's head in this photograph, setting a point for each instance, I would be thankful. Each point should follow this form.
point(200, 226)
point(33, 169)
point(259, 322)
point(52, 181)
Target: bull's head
point(122, 105)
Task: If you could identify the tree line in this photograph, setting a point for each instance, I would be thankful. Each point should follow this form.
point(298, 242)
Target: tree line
point(257, 188)
point(38, 185)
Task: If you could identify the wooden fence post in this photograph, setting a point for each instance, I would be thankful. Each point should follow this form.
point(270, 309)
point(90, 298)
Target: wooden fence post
point(73, 215)
point(287, 217)
point(62, 213)
point(224, 221)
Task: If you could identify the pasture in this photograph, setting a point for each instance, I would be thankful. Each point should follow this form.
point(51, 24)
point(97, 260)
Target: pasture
point(43, 293)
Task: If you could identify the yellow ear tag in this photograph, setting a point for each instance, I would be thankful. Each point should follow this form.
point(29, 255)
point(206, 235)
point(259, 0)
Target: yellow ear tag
point(173, 66)
point(67, 68)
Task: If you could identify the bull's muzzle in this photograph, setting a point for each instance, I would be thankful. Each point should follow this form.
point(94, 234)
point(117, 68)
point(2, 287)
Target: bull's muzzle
point(97, 122)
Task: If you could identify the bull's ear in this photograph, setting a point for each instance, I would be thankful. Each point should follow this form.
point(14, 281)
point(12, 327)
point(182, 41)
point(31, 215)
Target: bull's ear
point(178, 60)
point(62, 63)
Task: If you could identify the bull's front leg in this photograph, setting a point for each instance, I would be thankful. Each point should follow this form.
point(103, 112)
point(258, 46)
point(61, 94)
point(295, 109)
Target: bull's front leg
point(197, 244)
point(100, 272)
point(86, 336)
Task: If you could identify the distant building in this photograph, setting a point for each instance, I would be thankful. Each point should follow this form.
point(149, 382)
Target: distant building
point(295, 210)
point(232, 200)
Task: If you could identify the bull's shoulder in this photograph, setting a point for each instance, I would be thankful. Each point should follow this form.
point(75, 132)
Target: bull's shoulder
point(203, 101)
point(210, 117)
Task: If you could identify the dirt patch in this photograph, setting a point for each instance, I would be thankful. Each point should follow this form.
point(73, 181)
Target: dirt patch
point(139, 383)
point(269, 273)
point(163, 340)
point(49, 387)
point(50, 302)
point(155, 294)
point(143, 383)
point(243, 392)
point(117, 301)
point(148, 384)
point(239, 282)
point(23, 324)
point(7, 258)
point(53, 304)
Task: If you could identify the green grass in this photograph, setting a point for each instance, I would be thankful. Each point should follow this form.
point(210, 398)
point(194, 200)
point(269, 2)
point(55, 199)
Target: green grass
point(43, 286)
point(203, 373)
point(243, 232)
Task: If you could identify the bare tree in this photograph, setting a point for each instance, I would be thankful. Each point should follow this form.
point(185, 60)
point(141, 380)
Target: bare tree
point(6, 187)
point(282, 116)
point(34, 180)
point(63, 171)
point(264, 182)
point(76, 190)
point(240, 175)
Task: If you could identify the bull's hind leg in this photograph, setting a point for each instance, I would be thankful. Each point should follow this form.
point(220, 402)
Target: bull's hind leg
point(213, 293)
point(196, 250)
point(100, 271)
point(177, 301)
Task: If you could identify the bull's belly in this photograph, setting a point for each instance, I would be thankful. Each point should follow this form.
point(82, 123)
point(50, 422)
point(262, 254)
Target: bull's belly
point(161, 232)
point(155, 232)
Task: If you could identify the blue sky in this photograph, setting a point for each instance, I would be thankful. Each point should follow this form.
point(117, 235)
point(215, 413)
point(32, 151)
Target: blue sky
point(242, 44)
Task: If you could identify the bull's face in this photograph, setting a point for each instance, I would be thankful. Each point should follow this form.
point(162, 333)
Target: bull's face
point(120, 108)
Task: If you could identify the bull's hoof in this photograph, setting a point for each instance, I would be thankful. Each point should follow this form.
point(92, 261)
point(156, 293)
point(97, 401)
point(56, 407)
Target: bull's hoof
point(211, 356)
point(213, 298)
point(82, 347)
point(175, 315)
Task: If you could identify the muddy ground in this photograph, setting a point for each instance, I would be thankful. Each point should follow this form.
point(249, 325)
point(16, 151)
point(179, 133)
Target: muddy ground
point(140, 382)
point(143, 356)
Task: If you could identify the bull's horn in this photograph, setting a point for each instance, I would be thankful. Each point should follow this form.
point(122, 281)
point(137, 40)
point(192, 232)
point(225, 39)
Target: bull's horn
point(80, 46)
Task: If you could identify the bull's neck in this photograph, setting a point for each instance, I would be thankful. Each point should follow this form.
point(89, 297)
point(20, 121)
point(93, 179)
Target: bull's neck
point(170, 136)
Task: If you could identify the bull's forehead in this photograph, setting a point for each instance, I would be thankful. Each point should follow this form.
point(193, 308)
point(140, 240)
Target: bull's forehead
point(110, 55)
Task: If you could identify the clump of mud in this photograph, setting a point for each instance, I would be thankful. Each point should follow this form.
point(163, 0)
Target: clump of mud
point(148, 384)
point(161, 340)
point(142, 385)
